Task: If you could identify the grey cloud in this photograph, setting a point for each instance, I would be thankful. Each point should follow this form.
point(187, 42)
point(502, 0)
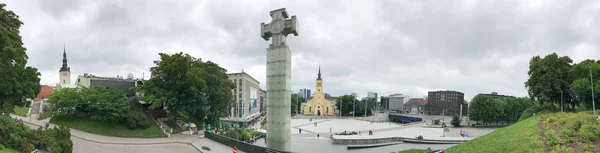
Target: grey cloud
point(383, 46)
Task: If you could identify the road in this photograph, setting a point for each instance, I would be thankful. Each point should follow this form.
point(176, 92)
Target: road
point(84, 146)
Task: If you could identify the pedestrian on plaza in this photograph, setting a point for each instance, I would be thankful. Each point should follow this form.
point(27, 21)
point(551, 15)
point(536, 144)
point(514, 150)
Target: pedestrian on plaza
point(300, 131)
point(329, 129)
point(47, 124)
point(317, 135)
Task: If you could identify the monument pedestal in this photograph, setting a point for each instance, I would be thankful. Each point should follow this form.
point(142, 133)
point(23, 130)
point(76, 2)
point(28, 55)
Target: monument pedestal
point(279, 63)
point(279, 75)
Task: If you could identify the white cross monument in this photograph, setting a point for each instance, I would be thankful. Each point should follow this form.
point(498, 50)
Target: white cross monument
point(279, 71)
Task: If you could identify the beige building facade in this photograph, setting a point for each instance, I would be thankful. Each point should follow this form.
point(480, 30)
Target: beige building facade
point(246, 98)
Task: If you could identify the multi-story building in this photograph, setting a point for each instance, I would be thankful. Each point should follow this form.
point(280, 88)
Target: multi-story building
point(372, 95)
point(445, 102)
point(496, 95)
point(305, 93)
point(415, 106)
point(396, 102)
point(384, 102)
point(244, 108)
point(124, 84)
point(262, 99)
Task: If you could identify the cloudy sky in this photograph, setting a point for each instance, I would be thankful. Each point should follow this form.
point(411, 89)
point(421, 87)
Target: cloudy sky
point(408, 47)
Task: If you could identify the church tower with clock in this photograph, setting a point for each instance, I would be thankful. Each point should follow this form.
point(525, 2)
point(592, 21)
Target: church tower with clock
point(318, 105)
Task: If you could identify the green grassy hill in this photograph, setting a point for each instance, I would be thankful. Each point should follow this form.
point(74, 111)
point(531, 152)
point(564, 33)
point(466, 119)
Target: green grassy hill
point(520, 137)
point(549, 132)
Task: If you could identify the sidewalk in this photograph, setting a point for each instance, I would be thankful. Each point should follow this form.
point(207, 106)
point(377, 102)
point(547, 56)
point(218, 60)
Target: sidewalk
point(192, 140)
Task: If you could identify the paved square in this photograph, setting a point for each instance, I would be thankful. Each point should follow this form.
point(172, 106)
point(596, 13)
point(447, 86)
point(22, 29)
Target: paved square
point(339, 125)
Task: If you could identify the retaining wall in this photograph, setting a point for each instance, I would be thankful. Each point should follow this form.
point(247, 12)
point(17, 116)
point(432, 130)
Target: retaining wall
point(243, 146)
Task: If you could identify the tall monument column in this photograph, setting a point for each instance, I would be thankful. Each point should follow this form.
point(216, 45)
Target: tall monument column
point(279, 72)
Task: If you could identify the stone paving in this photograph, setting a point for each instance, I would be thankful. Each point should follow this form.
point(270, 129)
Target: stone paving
point(93, 143)
point(341, 125)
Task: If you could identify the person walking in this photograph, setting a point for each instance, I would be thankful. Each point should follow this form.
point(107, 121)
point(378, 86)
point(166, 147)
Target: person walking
point(47, 124)
point(329, 129)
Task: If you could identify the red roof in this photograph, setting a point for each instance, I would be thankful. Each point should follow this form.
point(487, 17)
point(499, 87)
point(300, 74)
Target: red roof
point(45, 92)
point(418, 100)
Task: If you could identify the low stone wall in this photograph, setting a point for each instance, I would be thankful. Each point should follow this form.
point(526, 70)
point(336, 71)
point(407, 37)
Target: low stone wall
point(392, 139)
point(366, 141)
point(432, 141)
point(243, 146)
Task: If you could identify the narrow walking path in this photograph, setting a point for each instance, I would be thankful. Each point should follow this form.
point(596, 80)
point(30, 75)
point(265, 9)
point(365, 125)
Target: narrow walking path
point(192, 140)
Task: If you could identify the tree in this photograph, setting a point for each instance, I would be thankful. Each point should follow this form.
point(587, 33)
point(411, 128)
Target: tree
point(345, 103)
point(105, 104)
point(455, 121)
point(295, 103)
point(219, 95)
point(187, 87)
point(548, 77)
point(17, 81)
point(515, 107)
point(483, 108)
point(581, 87)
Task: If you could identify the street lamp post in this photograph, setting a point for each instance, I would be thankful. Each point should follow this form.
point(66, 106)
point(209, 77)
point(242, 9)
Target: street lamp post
point(341, 106)
point(354, 108)
point(592, 83)
point(297, 105)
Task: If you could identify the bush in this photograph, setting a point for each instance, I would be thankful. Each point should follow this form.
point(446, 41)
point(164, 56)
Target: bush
point(586, 147)
point(589, 131)
point(552, 138)
point(138, 120)
point(1, 147)
point(567, 132)
point(562, 149)
point(455, 121)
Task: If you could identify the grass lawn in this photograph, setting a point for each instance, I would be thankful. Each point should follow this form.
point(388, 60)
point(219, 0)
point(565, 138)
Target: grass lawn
point(6, 150)
point(21, 111)
point(522, 136)
point(104, 128)
point(414, 151)
point(45, 115)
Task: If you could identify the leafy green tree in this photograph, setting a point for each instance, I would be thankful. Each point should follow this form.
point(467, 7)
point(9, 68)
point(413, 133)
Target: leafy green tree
point(296, 100)
point(346, 104)
point(548, 77)
point(455, 121)
point(188, 87)
point(105, 104)
point(515, 107)
point(177, 84)
point(219, 95)
point(17, 80)
point(68, 101)
point(483, 108)
point(581, 87)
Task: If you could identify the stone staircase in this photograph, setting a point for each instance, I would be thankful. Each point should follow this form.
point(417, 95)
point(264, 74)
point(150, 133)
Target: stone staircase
point(35, 109)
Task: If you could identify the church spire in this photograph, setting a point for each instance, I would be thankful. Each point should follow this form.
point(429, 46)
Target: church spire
point(319, 78)
point(65, 66)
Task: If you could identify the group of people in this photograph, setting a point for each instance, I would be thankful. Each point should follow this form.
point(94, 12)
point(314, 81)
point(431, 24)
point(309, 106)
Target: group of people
point(420, 137)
